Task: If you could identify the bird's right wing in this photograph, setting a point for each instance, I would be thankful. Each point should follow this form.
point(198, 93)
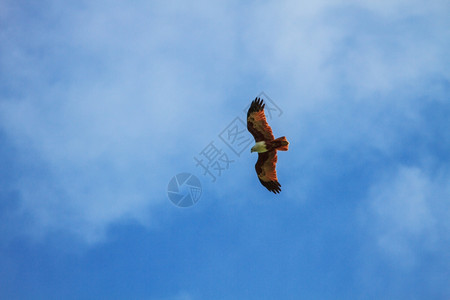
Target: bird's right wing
point(266, 169)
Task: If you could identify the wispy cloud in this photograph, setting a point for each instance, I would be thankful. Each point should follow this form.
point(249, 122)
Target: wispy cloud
point(409, 214)
point(105, 101)
point(98, 112)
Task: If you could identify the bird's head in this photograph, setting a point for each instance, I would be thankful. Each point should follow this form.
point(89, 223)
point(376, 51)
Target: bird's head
point(259, 147)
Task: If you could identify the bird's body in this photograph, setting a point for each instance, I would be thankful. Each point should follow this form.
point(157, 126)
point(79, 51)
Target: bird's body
point(277, 144)
point(265, 145)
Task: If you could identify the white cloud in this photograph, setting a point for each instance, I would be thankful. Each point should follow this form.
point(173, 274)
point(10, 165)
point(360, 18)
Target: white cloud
point(408, 213)
point(102, 94)
point(102, 110)
point(328, 47)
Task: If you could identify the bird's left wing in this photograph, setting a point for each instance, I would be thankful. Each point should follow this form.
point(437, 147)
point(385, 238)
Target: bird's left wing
point(257, 123)
point(267, 174)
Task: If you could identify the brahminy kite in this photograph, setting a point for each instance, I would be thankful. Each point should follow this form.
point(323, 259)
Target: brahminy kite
point(266, 145)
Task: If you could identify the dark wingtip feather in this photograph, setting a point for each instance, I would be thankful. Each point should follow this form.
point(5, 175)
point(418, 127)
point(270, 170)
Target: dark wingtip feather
point(272, 186)
point(257, 105)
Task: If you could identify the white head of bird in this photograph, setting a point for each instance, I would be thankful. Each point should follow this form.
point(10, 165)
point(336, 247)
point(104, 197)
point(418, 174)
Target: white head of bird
point(259, 147)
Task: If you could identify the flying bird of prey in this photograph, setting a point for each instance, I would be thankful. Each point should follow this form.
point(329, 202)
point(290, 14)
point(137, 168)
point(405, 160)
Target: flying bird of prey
point(266, 145)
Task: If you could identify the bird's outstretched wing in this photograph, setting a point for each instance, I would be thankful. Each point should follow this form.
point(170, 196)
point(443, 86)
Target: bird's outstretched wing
point(257, 123)
point(267, 174)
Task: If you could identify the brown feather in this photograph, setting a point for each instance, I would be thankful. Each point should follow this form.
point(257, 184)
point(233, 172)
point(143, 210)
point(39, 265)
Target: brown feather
point(257, 123)
point(266, 170)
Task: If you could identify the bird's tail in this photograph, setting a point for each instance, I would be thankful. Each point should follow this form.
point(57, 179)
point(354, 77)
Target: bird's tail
point(281, 144)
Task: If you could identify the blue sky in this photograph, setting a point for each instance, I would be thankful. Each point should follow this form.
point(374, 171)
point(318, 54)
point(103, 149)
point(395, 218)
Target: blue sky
point(103, 102)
